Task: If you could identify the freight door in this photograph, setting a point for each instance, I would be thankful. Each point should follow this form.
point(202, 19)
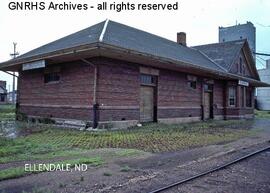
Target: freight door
point(147, 104)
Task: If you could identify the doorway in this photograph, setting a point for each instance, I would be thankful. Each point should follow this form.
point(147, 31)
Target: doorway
point(208, 102)
point(147, 104)
point(148, 98)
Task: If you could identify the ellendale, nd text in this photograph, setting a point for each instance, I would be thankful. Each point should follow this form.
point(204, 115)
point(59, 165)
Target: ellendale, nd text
point(65, 167)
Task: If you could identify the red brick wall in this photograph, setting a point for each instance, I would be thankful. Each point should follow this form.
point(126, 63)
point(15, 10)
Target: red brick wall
point(118, 93)
point(176, 98)
point(73, 93)
point(218, 97)
point(240, 109)
point(118, 90)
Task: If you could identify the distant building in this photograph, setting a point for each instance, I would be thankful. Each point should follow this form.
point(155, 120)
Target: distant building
point(9, 96)
point(239, 32)
point(3, 92)
point(263, 94)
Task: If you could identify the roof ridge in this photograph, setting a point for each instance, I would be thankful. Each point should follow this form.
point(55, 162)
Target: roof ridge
point(212, 61)
point(151, 33)
point(219, 43)
point(103, 30)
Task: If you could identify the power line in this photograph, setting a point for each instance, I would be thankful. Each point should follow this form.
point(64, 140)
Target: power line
point(262, 63)
point(262, 25)
point(262, 54)
point(261, 58)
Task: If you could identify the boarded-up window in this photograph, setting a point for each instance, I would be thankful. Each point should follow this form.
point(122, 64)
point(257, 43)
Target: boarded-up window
point(232, 96)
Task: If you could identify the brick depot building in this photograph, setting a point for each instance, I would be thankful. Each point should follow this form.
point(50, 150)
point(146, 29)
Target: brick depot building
point(113, 73)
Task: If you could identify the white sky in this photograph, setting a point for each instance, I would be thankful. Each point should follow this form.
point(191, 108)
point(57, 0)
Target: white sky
point(200, 19)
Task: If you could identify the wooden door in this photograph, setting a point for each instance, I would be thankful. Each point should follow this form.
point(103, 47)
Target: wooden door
point(147, 104)
point(207, 105)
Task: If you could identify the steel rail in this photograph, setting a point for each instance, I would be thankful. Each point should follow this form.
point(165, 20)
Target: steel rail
point(209, 171)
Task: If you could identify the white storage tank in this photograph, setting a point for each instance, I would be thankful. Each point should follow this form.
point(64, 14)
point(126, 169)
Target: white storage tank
point(263, 93)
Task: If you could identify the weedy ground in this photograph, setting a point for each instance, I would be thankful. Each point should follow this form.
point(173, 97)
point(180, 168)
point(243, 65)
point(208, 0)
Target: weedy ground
point(262, 114)
point(45, 142)
point(7, 112)
point(48, 142)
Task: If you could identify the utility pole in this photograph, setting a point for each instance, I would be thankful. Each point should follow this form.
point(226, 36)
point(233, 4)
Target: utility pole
point(13, 55)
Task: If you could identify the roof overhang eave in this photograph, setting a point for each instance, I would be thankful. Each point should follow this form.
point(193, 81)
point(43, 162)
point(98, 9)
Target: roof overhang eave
point(12, 64)
point(220, 74)
point(100, 46)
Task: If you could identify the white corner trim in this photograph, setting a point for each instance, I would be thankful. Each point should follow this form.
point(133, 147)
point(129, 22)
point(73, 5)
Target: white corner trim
point(103, 30)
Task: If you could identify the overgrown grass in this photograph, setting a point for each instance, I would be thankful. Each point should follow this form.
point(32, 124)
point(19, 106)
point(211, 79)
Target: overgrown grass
point(46, 142)
point(20, 171)
point(7, 112)
point(7, 108)
point(262, 114)
point(151, 138)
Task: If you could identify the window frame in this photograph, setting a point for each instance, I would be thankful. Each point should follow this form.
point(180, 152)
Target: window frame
point(52, 75)
point(192, 84)
point(153, 79)
point(208, 87)
point(232, 97)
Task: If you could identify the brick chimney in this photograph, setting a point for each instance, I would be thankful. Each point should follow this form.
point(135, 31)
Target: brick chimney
point(181, 38)
point(3, 84)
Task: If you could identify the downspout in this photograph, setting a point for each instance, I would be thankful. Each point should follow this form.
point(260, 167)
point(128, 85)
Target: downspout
point(225, 100)
point(202, 98)
point(95, 104)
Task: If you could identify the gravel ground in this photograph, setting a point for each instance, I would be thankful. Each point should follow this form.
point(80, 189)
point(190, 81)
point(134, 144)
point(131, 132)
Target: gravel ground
point(170, 172)
point(251, 175)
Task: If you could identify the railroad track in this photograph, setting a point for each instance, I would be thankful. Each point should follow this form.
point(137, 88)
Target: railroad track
point(223, 166)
